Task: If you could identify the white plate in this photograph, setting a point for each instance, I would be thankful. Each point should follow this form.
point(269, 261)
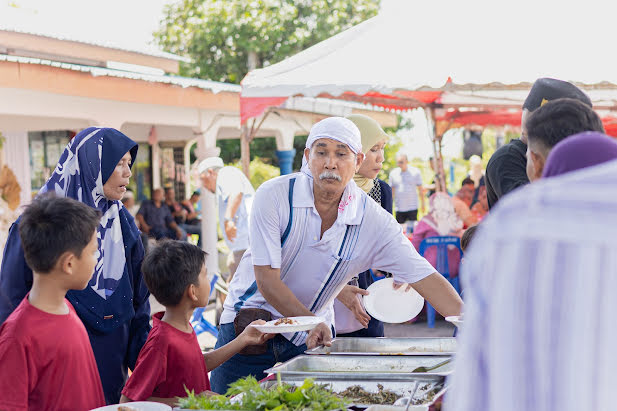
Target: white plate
point(386, 304)
point(138, 405)
point(455, 319)
point(300, 324)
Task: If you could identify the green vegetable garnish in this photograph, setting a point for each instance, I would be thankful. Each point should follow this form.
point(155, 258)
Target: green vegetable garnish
point(282, 397)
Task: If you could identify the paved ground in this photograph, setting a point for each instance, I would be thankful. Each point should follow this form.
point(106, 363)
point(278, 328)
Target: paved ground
point(442, 328)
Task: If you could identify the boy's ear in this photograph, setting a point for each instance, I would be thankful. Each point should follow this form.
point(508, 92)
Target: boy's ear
point(191, 292)
point(66, 262)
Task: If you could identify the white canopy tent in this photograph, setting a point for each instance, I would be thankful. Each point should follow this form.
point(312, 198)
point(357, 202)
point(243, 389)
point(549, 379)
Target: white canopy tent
point(475, 53)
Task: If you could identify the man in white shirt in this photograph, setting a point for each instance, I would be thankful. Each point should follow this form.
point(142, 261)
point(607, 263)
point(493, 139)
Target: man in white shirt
point(234, 193)
point(311, 232)
point(406, 183)
point(540, 280)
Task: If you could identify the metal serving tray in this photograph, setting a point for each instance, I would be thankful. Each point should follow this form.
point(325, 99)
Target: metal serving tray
point(388, 346)
point(428, 387)
point(356, 367)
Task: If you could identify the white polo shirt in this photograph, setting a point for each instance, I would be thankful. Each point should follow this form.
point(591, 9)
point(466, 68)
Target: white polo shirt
point(405, 185)
point(231, 180)
point(363, 236)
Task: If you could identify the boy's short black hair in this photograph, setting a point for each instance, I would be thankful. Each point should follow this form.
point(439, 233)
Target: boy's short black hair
point(468, 236)
point(170, 267)
point(51, 226)
point(467, 180)
point(558, 119)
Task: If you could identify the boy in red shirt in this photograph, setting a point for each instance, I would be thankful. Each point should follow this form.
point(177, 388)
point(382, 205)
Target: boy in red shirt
point(171, 359)
point(47, 361)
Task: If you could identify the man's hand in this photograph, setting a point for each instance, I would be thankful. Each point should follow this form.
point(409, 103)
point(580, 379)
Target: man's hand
point(320, 335)
point(252, 336)
point(230, 230)
point(179, 234)
point(349, 296)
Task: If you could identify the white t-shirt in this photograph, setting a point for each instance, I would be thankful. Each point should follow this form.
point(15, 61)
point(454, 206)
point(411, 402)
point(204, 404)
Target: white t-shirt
point(364, 235)
point(230, 181)
point(405, 186)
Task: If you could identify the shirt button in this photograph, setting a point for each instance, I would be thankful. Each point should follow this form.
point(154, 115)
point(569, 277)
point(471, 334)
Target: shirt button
point(314, 238)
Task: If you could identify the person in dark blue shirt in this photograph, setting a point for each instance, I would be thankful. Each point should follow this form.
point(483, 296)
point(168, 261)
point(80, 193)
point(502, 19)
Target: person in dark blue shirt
point(95, 169)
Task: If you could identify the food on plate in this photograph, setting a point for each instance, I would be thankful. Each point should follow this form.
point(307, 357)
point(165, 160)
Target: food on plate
point(357, 394)
point(126, 408)
point(285, 321)
point(308, 396)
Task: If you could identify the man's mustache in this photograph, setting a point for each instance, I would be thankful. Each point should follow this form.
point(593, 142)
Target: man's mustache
point(330, 175)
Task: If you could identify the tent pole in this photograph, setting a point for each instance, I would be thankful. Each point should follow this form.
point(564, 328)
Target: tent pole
point(245, 150)
point(440, 183)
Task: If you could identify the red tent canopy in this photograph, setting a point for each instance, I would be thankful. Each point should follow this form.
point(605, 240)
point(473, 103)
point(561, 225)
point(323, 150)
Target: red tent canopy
point(457, 118)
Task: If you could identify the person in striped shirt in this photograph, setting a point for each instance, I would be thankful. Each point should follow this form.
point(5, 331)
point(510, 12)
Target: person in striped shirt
point(540, 281)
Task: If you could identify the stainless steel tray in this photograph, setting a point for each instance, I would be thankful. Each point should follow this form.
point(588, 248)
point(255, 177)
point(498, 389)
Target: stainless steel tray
point(388, 346)
point(428, 388)
point(355, 367)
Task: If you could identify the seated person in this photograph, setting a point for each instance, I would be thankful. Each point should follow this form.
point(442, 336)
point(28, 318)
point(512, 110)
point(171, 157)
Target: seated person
point(480, 208)
point(171, 361)
point(155, 219)
point(440, 221)
point(462, 203)
point(47, 361)
point(190, 205)
point(176, 210)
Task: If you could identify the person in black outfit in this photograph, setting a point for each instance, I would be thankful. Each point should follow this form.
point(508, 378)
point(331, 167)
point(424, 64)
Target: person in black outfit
point(507, 168)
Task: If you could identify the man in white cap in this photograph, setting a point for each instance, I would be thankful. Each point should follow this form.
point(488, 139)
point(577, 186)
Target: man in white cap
point(311, 232)
point(234, 193)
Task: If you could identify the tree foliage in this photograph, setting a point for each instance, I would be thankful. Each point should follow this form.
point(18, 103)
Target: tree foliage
point(218, 35)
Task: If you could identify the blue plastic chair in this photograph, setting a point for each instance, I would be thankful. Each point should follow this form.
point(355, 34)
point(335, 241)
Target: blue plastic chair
point(441, 265)
point(198, 320)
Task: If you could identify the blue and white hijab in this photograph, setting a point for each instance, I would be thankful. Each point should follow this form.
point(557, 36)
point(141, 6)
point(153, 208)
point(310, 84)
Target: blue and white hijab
point(84, 167)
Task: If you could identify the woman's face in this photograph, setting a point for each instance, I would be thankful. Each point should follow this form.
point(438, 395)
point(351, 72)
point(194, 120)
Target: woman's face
point(115, 187)
point(373, 161)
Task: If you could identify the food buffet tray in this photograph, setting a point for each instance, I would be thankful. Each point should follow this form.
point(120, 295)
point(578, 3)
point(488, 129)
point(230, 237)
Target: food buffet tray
point(356, 367)
point(388, 346)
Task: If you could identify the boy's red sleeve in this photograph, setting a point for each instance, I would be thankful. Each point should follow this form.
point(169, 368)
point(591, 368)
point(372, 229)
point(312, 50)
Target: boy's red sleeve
point(149, 373)
point(14, 375)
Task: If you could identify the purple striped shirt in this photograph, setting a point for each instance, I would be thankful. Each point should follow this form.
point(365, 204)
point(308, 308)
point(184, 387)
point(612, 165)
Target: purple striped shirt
point(540, 285)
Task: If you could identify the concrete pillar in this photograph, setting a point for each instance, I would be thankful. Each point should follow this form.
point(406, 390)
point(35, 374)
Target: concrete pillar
point(16, 153)
point(285, 148)
point(286, 160)
point(206, 147)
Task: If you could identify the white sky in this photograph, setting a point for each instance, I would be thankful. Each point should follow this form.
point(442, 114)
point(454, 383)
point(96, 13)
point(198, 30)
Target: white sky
point(130, 23)
point(121, 23)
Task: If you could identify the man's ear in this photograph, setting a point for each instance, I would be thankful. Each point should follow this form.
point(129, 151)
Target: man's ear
point(307, 151)
point(538, 164)
point(359, 160)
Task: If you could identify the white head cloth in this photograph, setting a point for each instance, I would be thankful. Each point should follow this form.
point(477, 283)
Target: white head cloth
point(210, 162)
point(339, 129)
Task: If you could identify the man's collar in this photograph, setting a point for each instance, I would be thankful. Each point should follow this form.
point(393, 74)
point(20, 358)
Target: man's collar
point(351, 206)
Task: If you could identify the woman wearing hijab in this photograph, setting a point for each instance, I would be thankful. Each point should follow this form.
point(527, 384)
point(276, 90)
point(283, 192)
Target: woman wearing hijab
point(580, 151)
point(441, 220)
point(95, 169)
point(373, 142)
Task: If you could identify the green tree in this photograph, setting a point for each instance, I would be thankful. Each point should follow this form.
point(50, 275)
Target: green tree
point(220, 37)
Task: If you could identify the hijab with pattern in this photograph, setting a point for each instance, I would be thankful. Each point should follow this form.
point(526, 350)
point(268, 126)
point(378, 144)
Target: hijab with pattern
point(442, 217)
point(84, 167)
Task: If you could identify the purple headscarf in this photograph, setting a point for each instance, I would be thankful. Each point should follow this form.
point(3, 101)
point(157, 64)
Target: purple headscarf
point(579, 151)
